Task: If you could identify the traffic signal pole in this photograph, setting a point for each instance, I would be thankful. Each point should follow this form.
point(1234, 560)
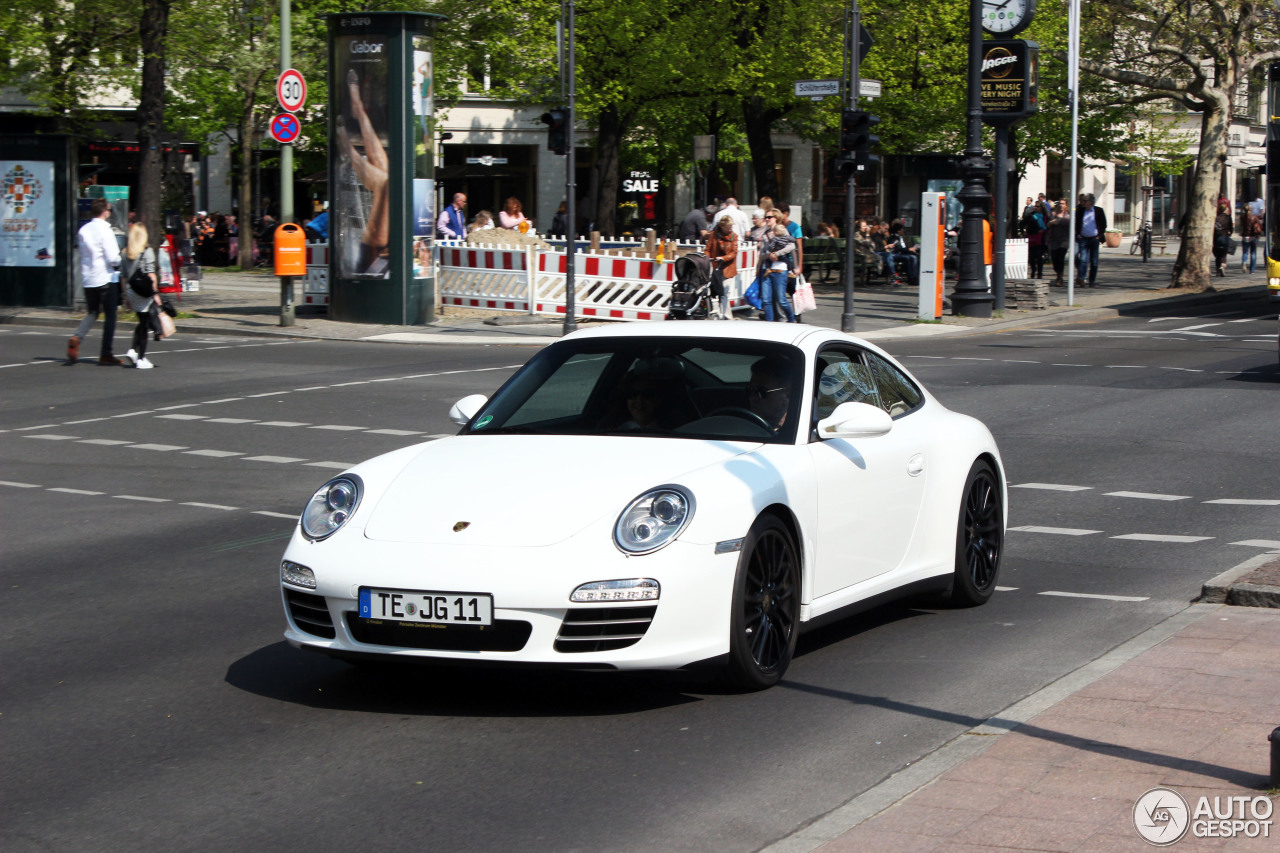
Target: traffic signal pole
point(571, 200)
point(853, 84)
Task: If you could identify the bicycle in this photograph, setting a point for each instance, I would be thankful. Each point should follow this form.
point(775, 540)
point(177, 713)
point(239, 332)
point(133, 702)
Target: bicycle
point(1142, 241)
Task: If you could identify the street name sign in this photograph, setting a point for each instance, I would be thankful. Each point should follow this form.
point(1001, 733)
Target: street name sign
point(818, 89)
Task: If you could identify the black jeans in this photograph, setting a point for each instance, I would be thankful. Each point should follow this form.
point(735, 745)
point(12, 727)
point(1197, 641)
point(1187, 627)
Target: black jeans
point(105, 299)
point(148, 321)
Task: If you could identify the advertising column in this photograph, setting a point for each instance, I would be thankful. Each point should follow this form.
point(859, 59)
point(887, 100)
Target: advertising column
point(380, 167)
point(36, 227)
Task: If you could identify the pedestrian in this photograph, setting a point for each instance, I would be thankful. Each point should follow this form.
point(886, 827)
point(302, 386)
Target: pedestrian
point(1058, 239)
point(560, 222)
point(1091, 224)
point(722, 249)
point(741, 222)
point(696, 225)
point(452, 223)
point(773, 283)
point(99, 257)
point(1222, 236)
point(1033, 228)
point(900, 250)
point(320, 224)
point(512, 216)
point(142, 296)
point(783, 212)
point(1250, 231)
point(756, 234)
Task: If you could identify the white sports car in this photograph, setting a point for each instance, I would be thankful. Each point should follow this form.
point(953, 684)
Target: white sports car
point(654, 496)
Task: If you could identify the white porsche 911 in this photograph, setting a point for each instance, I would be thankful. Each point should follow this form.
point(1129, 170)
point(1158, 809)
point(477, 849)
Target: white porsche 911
point(654, 496)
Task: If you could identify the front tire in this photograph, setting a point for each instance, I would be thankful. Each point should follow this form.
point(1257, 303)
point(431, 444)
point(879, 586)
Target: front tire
point(979, 538)
point(766, 607)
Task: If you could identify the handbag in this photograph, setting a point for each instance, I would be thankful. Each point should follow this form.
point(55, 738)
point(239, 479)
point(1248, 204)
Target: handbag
point(1232, 245)
point(752, 295)
point(167, 327)
point(804, 299)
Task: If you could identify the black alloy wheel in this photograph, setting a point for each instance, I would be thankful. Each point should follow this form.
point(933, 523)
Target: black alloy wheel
point(980, 538)
point(766, 607)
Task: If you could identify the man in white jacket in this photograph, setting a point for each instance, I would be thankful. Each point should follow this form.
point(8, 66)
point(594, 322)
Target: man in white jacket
point(99, 257)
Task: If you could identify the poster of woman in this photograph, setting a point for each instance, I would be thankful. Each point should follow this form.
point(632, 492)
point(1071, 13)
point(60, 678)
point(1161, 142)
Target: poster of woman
point(361, 221)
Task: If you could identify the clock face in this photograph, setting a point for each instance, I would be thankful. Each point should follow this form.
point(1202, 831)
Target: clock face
point(1002, 17)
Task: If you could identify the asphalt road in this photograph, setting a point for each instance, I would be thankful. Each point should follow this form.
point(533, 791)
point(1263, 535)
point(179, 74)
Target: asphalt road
point(148, 702)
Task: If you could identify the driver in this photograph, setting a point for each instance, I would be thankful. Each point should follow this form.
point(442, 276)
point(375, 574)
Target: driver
point(769, 391)
point(645, 400)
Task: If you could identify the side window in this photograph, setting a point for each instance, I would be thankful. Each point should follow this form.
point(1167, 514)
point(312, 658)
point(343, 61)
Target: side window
point(897, 395)
point(842, 377)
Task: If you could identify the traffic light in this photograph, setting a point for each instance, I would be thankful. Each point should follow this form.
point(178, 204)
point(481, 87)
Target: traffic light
point(856, 141)
point(557, 122)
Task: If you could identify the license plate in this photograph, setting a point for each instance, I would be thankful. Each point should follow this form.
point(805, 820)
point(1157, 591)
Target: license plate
point(438, 608)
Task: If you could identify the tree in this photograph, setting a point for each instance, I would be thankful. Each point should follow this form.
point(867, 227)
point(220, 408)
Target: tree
point(154, 33)
point(1195, 54)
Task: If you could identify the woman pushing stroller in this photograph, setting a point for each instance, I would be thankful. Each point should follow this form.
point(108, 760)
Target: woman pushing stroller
point(722, 249)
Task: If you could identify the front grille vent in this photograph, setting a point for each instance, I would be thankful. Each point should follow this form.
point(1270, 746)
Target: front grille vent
point(603, 629)
point(310, 613)
point(504, 635)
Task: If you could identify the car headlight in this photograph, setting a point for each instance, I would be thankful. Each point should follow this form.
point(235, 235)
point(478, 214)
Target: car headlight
point(331, 506)
point(297, 574)
point(653, 520)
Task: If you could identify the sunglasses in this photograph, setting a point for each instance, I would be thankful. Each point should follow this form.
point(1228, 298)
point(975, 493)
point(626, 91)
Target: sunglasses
point(760, 392)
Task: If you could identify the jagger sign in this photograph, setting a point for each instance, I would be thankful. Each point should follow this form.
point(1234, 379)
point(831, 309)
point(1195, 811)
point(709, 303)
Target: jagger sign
point(1009, 71)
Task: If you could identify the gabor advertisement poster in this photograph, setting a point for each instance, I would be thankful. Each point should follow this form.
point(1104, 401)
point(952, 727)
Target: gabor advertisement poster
point(361, 220)
point(26, 214)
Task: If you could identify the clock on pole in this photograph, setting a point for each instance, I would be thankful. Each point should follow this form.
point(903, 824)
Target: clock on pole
point(1006, 17)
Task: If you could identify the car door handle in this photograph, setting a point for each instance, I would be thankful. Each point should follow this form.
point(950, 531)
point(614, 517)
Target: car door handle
point(915, 465)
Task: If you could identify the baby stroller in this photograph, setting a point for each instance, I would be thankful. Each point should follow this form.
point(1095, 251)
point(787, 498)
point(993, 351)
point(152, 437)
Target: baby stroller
point(691, 293)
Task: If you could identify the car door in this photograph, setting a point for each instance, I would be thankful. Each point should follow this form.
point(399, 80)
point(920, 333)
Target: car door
point(869, 490)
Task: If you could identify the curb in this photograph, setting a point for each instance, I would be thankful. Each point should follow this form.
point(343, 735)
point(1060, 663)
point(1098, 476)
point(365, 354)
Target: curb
point(1231, 588)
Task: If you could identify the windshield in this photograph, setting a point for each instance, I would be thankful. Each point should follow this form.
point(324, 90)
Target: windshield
point(706, 388)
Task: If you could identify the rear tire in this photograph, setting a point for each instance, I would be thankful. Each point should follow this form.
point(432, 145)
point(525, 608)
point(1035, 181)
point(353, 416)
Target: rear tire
point(979, 538)
point(764, 623)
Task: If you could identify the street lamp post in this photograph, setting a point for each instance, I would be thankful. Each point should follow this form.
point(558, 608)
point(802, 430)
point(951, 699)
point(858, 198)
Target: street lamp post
point(971, 298)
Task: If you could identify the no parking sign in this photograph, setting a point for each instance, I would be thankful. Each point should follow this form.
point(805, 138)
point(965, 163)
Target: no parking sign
point(285, 129)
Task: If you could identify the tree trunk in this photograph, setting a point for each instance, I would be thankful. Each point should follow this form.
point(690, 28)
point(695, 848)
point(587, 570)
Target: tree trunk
point(758, 122)
point(245, 148)
point(608, 143)
point(153, 32)
point(1194, 265)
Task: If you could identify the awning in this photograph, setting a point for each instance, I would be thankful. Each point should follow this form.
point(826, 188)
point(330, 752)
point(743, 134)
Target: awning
point(1247, 161)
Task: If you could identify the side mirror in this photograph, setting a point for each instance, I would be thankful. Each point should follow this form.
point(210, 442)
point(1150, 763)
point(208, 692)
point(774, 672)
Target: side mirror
point(465, 409)
point(855, 420)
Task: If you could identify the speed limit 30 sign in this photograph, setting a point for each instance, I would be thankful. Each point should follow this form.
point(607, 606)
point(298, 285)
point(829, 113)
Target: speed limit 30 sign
point(291, 90)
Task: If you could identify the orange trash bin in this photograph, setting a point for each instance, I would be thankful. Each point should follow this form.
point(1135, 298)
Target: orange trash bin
point(290, 250)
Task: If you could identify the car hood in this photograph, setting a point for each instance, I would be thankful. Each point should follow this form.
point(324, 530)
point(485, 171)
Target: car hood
point(529, 491)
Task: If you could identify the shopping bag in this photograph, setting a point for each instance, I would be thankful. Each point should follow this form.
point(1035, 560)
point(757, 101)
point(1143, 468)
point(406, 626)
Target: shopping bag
point(753, 295)
point(167, 327)
point(804, 299)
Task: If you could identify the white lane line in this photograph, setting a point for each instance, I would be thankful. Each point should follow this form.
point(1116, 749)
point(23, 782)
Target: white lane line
point(346, 384)
point(1259, 543)
point(215, 402)
point(74, 491)
point(268, 394)
point(1244, 502)
point(1146, 496)
point(140, 498)
point(105, 442)
point(230, 421)
point(281, 460)
point(293, 517)
point(1126, 366)
point(184, 417)
point(1053, 487)
point(179, 406)
point(51, 437)
point(1182, 369)
point(41, 426)
point(392, 432)
point(1021, 361)
point(1160, 537)
point(1170, 319)
point(337, 427)
point(339, 465)
point(135, 414)
point(1070, 365)
point(1095, 596)
point(969, 358)
point(163, 448)
point(905, 356)
point(282, 423)
point(1058, 531)
point(209, 506)
point(12, 484)
point(313, 388)
point(85, 421)
point(1193, 328)
point(217, 454)
point(1006, 589)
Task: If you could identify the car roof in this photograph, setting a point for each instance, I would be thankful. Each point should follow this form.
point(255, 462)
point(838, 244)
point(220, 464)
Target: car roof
point(796, 334)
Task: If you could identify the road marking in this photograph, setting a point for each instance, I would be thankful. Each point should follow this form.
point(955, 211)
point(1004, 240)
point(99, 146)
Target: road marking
point(1126, 366)
point(1244, 502)
point(969, 358)
point(347, 384)
point(74, 491)
point(1146, 496)
point(393, 432)
point(276, 459)
point(1006, 589)
point(105, 442)
point(1070, 365)
point(217, 454)
point(231, 421)
point(179, 406)
point(1193, 328)
point(1021, 361)
point(18, 485)
point(1183, 369)
point(41, 426)
point(339, 465)
point(184, 417)
point(1158, 537)
point(51, 437)
point(1059, 531)
point(313, 388)
point(1054, 487)
point(209, 506)
point(1095, 596)
point(216, 402)
point(268, 394)
point(134, 414)
point(140, 498)
point(337, 427)
point(282, 423)
point(1259, 543)
point(163, 448)
point(291, 517)
point(85, 421)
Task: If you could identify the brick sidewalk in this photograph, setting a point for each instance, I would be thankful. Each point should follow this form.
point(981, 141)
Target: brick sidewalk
point(1192, 713)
